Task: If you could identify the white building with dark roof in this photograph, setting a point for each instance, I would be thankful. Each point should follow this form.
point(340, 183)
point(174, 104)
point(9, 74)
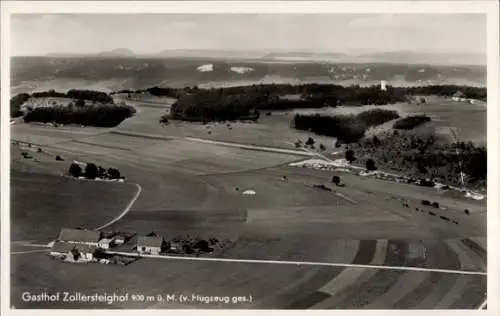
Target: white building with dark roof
point(150, 244)
point(73, 252)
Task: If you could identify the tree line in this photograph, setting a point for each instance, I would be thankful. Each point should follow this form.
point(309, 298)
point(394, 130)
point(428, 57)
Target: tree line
point(92, 171)
point(346, 128)
point(79, 95)
point(410, 122)
point(109, 115)
point(241, 102)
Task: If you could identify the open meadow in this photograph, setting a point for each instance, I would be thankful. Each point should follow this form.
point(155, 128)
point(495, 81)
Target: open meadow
point(193, 188)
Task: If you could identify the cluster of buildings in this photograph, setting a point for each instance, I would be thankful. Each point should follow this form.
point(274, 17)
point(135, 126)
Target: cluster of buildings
point(80, 245)
point(459, 96)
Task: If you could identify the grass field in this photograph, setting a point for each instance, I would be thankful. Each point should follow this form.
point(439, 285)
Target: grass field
point(469, 120)
point(196, 189)
point(43, 204)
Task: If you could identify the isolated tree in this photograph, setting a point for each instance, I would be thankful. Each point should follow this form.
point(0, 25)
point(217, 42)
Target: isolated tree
point(91, 171)
point(74, 170)
point(322, 147)
point(370, 165)
point(114, 173)
point(349, 156)
point(336, 180)
point(59, 158)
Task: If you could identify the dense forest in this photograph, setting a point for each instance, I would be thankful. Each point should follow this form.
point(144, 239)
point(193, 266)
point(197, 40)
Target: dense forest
point(89, 95)
point(79, 95)
point(421, 155)
point(346, 128)
point(108, 115)
point(207, 106)
point(410, 122)
point(241, 101)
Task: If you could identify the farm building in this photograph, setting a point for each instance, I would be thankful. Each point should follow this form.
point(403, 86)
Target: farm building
point(150, 244)
point(79, 236)
point(105, 243)
point(73, 252)
point(459, 96)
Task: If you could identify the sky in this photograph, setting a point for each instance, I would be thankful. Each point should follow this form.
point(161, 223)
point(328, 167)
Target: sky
point(40, 34)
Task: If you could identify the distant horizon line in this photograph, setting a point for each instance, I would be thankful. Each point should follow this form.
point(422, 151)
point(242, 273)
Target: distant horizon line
point(352, 52)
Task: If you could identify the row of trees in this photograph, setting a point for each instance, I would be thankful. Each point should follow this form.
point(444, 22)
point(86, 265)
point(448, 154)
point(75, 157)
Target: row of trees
point(92, 171)
point(102, 116)
point(91, 95)
point(346, 128)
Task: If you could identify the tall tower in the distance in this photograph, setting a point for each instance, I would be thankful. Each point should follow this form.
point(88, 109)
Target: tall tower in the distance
point(383, 85)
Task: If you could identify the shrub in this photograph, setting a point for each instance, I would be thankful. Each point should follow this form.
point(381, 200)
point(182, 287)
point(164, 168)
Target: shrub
point(322, 147)
point(59, 158)
point(75, 170)
point(310, 141)
point(91, 171)
point(349, 156)
point(435, 205)
point(164, 119)
point(114, 173)
point(425, 202)
point(335, 180)
point(370, 165)
point(467, 211)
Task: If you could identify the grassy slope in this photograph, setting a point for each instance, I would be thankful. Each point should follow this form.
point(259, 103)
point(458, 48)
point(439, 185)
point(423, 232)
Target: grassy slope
point(43, 204)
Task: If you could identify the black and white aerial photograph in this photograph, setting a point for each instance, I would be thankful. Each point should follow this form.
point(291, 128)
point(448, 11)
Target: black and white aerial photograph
point(270, 161)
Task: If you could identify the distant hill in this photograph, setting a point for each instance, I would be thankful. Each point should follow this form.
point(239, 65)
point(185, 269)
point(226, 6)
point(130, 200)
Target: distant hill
point(395, 57)
point(202, 53)
point(410, 57)
point(119, 52)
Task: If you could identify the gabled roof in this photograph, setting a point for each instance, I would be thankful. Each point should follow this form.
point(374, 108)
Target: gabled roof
point(63, 247)
point(149, 241)
point(459, 94)
point(79, 235)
